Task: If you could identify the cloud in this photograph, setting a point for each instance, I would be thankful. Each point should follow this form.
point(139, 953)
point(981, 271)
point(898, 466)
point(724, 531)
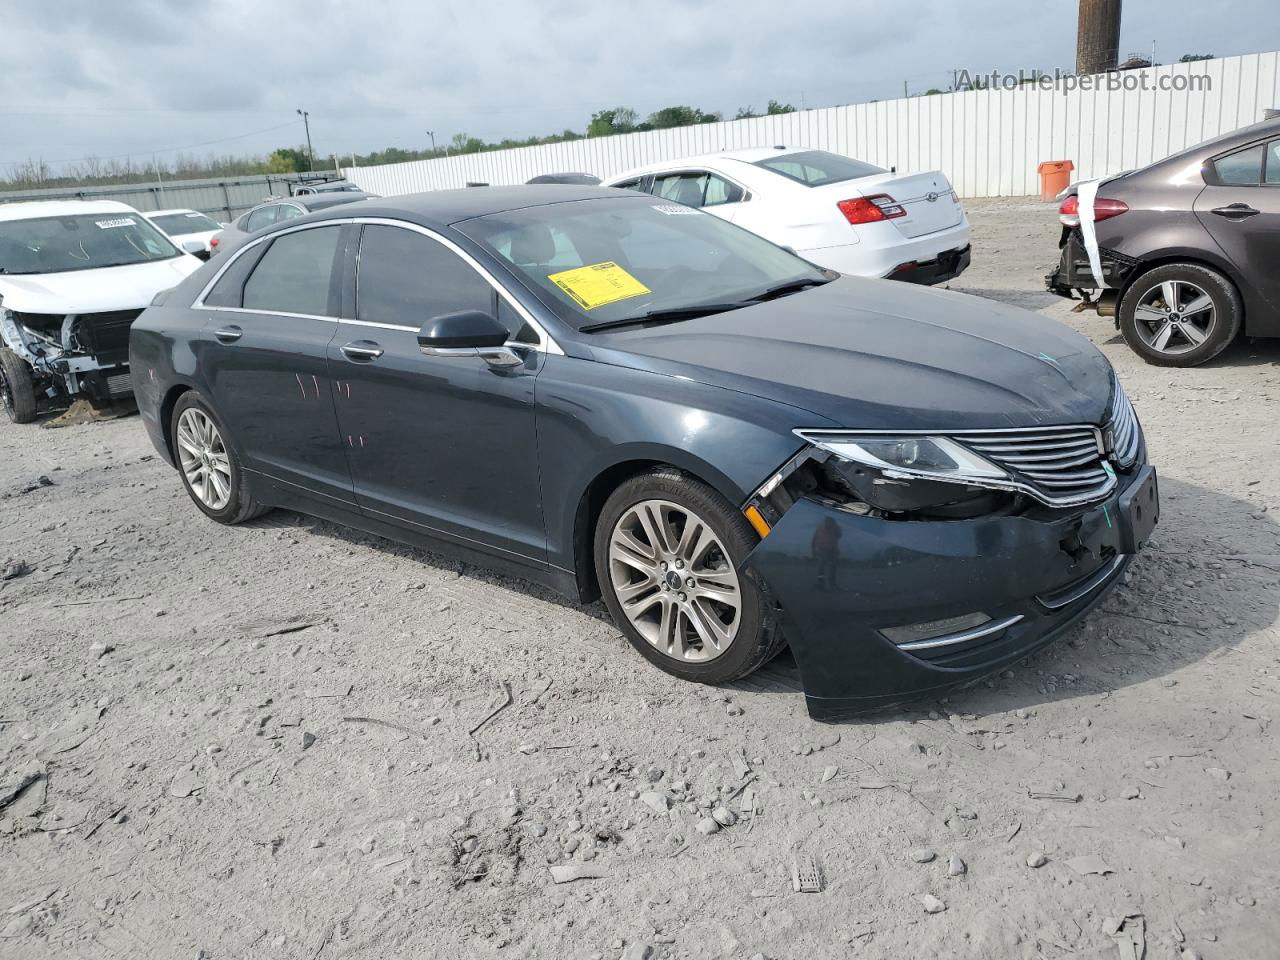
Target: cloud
point(109, 77)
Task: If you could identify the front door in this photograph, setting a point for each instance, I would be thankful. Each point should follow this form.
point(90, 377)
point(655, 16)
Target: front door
point(270, 319)
point(445, 443)
point(1241, 210)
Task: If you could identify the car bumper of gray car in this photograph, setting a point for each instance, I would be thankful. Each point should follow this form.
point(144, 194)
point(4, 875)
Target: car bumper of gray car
point(879, 612)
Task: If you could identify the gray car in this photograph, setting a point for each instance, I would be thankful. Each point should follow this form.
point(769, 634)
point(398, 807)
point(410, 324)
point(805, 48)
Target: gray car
point(1184, 251)
point(278, 210)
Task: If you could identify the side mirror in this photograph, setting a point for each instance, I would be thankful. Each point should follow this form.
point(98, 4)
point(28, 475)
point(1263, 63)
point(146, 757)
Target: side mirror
point(196, 247)
point(468, 333)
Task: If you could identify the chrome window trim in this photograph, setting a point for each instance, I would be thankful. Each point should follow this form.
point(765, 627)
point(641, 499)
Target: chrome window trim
point(546, 344)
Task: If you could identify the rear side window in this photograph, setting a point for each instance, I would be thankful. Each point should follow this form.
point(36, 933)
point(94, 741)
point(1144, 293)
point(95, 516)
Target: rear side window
point(294, 274)
point(1242, 168)
point(287, 212)
point(260, 218)
point(817, 168)
point(1271, 172)
point(406, 278)
point(229, 290)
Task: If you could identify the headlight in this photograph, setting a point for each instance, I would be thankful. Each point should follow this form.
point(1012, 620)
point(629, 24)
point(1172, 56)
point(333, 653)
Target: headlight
point(907, 474)
point(935, 458)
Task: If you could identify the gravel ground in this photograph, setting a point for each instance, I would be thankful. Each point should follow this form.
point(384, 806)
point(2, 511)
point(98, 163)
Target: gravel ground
point(262, 741)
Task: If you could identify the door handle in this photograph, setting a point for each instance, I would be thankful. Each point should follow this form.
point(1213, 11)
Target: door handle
point(228, 334)
point(1235, 211)
point(362, 351)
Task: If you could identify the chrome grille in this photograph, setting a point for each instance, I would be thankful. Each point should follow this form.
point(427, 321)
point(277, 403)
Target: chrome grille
point(1064, 464)
point(1126, 435)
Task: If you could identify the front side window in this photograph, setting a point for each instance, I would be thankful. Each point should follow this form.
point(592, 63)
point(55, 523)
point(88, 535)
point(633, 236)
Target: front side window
point(294, 274)
point(406, 279)
point(1242, 168)
point(632, 256)
point(817, 168)
point(262, 217)
point(83, 241)
point(686, 188)
point(1271, 173)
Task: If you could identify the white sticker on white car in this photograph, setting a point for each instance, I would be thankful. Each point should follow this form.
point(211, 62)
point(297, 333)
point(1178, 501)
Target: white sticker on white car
point(674, 209)
point(120, 222)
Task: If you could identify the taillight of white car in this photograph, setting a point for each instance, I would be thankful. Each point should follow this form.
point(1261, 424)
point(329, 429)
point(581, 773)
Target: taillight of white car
point(1103, 209)
point(871, 209)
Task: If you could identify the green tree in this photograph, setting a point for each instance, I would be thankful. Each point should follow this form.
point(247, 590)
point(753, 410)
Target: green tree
point(679, 117)
point(775, 108)
point(288, 160)
point(1193, 57)
point(616, 120)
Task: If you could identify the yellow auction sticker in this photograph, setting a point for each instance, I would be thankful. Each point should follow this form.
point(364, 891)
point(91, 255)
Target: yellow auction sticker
point(598, 284)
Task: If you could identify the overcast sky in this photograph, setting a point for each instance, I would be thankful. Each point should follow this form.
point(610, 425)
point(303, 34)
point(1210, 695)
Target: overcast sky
point(108, 77)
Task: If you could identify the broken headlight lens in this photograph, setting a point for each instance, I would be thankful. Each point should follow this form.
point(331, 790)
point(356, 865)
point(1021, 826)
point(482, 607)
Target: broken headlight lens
point(921, 475)
point(938, 458)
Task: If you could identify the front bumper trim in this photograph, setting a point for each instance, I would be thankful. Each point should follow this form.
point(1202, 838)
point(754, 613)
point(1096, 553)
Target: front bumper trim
point(1069, 595)
point(964, 636)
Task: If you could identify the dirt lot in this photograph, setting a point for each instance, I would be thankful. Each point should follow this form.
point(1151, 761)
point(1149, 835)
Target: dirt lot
point(254, 742)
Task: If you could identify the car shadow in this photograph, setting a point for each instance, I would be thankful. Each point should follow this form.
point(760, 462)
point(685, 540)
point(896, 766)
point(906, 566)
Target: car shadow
point(1027, 299)
point(1146, 629)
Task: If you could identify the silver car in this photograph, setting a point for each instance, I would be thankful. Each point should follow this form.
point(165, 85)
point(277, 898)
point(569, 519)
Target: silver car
point(277, 210)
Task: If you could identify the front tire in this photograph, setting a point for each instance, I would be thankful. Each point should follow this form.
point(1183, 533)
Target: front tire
point(668, 549)
point(1180, 315)
point(17, 389)
point(208, 464)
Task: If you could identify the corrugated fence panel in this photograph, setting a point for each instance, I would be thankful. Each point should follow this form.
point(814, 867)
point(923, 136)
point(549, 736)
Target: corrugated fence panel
point(989, 142)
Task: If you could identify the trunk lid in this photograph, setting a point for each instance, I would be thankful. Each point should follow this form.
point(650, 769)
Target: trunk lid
point(927, 197)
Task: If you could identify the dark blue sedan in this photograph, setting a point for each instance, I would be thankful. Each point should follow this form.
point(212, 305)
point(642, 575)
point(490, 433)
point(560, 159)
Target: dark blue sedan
point(619, 396)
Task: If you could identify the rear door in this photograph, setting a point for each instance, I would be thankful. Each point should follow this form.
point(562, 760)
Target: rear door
point(702, 189)
point(1240, 207)
point(272, 315)
point(445, 443)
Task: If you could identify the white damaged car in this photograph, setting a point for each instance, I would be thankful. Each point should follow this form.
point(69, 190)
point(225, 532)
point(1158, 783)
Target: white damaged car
point(74, 274)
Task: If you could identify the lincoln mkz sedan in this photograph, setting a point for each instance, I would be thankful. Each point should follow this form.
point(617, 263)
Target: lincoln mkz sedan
point(612, 394)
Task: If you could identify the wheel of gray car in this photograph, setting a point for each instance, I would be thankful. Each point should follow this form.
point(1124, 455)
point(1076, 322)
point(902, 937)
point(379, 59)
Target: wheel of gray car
point(667, 552)
point(17, 391)
point(208, 464)
point(1180, 315)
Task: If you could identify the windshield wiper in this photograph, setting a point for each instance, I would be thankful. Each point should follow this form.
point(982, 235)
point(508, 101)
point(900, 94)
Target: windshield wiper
point(670, 315)
point(791, 286)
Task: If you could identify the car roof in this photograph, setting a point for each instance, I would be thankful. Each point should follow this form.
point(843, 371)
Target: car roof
point(441, 208)
point(166, 213)
point(745, 155)
point(33, 209)
point(318, 201)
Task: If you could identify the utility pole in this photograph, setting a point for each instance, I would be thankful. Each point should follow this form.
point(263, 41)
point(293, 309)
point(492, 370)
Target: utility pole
point(432, 135)
point(306, 122)
point(1098, 36)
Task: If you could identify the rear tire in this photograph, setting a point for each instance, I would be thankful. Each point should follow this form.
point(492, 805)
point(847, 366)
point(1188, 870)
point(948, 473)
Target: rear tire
point(1158, 326)
point(207, 462)
point(708, 623)
point(17, 388)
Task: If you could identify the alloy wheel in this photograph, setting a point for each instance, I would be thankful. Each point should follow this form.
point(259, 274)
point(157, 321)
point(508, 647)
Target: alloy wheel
point(203, 458)
point(1175, 317)
point(674, 581)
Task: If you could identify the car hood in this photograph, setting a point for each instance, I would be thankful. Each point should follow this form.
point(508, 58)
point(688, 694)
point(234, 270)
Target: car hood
point(94, 291)
point(877, 354)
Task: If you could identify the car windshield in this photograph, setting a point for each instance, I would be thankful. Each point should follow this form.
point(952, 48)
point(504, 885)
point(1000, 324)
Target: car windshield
point(817, 168)
point(83, 241)
point(603, 261)
point(176, 224)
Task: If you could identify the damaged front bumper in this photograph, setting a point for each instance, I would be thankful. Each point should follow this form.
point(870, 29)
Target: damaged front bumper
point(880, 611)
point(74, 354)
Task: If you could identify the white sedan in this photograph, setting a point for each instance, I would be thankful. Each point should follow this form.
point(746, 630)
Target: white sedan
point(186, 228)
point(835, 211)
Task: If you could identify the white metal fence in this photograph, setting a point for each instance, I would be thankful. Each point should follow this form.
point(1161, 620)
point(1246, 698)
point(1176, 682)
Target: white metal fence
point(989, 142)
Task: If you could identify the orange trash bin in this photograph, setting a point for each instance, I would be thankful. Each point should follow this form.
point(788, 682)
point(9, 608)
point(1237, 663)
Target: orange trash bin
point(1055, 175)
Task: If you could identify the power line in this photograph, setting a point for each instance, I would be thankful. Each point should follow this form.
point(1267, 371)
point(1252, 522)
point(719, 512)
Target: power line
point(139, 152)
